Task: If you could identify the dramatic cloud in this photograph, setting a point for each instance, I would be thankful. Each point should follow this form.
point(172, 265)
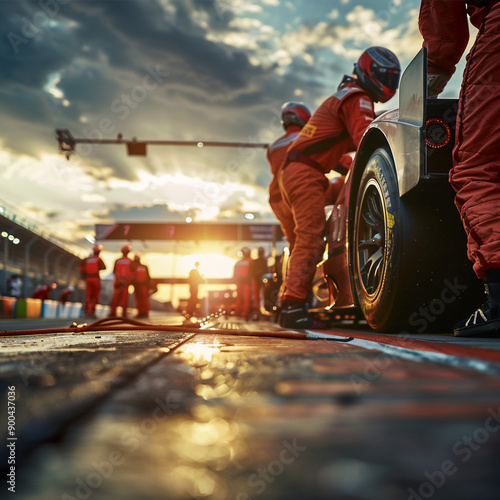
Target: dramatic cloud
point(167, 69)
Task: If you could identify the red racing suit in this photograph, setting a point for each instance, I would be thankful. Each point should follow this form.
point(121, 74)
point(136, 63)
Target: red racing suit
point(276, 154)
point(64, 297)
point(476, 157)
point(90, 268)
point(42, 292)
point(243, 279)
point(342, 119)
point(142, 282)
point(124, 274)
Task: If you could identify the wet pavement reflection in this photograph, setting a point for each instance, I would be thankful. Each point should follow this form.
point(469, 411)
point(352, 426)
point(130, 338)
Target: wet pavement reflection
point(221, 417)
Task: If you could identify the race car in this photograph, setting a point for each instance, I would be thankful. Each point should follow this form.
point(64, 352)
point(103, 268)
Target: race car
point(396, 248)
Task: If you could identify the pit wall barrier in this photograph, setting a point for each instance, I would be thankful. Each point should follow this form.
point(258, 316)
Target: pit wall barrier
point(11, 307)
point(7, 306)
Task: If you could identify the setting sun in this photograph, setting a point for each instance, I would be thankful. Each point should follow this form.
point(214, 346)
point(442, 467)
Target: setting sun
point(212, 265)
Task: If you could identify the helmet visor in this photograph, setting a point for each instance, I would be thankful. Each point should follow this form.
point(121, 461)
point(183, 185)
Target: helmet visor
point(387, 77)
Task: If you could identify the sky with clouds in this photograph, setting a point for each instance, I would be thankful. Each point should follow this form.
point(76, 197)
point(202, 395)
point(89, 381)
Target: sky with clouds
point(213, 70)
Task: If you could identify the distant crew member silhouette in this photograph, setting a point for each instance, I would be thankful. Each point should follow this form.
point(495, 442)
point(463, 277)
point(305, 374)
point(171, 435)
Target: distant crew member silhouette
point(64, 297)
point(89, 269)
point(194, 283)
point(242, 276)
point(123, 271)
point(142, 286)
point(14, 286)
point(42, 291)
point(258, 269)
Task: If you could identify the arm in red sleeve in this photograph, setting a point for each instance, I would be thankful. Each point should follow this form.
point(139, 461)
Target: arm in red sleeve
point(445, 29)
point(346, 160)
point(357, 113)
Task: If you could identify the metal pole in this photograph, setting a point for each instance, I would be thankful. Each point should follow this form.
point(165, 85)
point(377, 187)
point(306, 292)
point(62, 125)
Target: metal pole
point(67, 143)
point(46, 261)
point(56, 266)
point(27, 264)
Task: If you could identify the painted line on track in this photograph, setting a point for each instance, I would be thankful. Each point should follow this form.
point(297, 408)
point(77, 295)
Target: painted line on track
point(458, 356)
point(432, 356)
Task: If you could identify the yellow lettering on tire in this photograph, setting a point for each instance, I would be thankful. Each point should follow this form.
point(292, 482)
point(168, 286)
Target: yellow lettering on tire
point(390, 220)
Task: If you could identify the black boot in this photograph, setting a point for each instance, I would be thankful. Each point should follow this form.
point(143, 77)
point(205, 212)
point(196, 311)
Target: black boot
point(295, 315)
point(484, 321)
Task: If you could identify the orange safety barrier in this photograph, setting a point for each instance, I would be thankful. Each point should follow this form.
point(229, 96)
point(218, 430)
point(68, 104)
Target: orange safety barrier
point(6, 306)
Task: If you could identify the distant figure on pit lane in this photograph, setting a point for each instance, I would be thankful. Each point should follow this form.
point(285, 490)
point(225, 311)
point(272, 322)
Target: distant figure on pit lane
point(194, 280)
point(242, 276)
point(64, 297)
point(42, 291)
point(259, 269)
point(142, 287)
point(123, 271)
point(90, 269)
point(15, 286)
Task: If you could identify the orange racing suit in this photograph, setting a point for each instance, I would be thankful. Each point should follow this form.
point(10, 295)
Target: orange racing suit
point(124, 274)
point(475, 175)
point(342, 119)
point(243, 279)
point(276, 154)
point(141, 283)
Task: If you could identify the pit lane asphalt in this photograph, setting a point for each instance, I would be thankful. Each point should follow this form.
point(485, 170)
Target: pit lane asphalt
point(156, 415)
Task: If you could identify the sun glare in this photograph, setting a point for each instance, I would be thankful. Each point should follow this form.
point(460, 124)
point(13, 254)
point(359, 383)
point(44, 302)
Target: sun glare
point(212, 265)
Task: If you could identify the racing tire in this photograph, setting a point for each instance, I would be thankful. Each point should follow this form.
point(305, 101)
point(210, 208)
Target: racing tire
point(377, 242)
point(408, 261)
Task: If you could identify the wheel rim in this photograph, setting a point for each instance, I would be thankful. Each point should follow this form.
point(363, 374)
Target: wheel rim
point(371, 239)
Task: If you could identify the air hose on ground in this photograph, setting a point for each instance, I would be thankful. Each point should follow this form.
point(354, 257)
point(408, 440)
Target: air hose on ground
point(118, 324)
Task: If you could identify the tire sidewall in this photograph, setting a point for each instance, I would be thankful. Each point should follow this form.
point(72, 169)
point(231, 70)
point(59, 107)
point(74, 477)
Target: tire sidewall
point(378, 308)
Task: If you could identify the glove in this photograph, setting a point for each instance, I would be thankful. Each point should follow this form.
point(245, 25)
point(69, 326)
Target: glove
point(436, 84)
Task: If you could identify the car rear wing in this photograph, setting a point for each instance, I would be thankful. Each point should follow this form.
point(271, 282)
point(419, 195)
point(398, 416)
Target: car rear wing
point(413, 91)
point(410, 150)
point(427, 136)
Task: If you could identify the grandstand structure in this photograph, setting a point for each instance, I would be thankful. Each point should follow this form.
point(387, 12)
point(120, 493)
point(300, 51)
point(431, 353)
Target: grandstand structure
point(37, 256)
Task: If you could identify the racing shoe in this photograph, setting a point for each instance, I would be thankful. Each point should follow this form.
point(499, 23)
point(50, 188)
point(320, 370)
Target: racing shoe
point(484, 321)
point(295, 315)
